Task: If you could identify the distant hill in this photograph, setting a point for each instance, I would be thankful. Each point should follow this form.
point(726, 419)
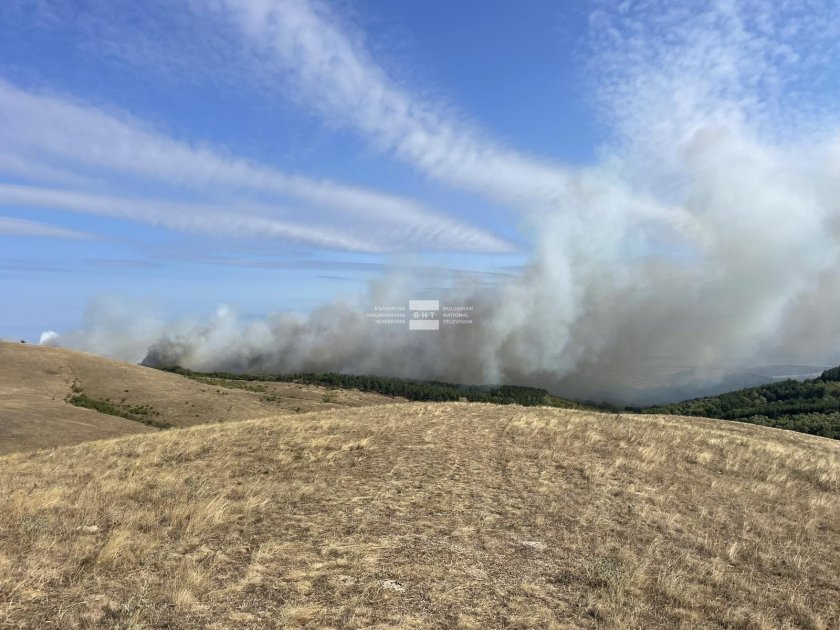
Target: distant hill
point(53, 397)
point(809, 406)
point(409, 389)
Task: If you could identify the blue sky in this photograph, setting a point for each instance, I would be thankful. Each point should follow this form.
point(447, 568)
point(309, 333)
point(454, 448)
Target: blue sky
point(272, 155)
point(129, 62)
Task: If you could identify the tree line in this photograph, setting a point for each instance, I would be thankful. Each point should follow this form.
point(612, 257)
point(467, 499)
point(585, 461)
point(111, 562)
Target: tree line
point(416, 390)
point(809, 406)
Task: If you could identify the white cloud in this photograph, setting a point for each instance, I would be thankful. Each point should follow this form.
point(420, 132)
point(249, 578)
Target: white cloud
point(663, 71)
point(12, 226)
point(55, 139)
point(337, 76)
point(193, 218)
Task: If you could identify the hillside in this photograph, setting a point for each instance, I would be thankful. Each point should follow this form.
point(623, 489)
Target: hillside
point(810, 406)
point(427, 515)
point(409, 389)
point(51, 397)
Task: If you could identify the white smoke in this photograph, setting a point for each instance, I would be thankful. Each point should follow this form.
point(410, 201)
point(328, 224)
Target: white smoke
point(48, 338)
point(706, 241)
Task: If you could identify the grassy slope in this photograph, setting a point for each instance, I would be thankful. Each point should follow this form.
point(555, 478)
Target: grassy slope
point(37, 383)
point(34, 383)
point(427, 516)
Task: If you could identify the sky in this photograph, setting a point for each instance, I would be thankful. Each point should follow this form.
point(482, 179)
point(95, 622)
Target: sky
point(165, 78)
point(167, 162)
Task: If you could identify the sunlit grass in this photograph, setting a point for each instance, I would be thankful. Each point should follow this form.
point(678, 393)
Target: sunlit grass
point(427, 516)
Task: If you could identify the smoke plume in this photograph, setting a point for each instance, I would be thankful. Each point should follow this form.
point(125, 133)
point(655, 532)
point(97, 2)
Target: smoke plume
point(705, 241)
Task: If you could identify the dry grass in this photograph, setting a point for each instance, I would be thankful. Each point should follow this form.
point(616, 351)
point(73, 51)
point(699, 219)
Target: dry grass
point(427, 516)
point(35, 382)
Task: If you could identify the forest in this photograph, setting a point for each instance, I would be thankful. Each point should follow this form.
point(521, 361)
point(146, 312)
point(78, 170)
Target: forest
point(810, 406)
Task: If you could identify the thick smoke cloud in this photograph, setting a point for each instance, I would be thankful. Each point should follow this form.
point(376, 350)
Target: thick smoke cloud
point(705, 242)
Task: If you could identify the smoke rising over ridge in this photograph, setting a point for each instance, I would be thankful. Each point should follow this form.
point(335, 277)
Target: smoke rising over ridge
point(706, 240)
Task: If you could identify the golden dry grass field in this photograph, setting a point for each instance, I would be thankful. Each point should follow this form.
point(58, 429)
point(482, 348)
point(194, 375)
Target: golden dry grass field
point(418, 515)
point(35, 382)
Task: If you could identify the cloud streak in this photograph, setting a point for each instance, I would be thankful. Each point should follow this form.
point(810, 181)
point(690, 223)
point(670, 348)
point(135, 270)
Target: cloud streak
point(326, 62)
point(56, 139)
point(182, 217)
point(11, 226)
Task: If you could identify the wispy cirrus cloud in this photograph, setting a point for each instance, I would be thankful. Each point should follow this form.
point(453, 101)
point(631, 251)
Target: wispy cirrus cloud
point(662, 72)
point(332, 71)
point(50, 138)
point(183, 217)
point(307, 45)
point(13, 226)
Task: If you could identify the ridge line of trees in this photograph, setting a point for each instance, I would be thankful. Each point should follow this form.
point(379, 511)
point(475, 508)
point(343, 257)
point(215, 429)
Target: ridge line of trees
point(810, 406)
point(403, 388)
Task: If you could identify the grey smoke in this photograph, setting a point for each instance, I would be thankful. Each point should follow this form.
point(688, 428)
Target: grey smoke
point(705, 242)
